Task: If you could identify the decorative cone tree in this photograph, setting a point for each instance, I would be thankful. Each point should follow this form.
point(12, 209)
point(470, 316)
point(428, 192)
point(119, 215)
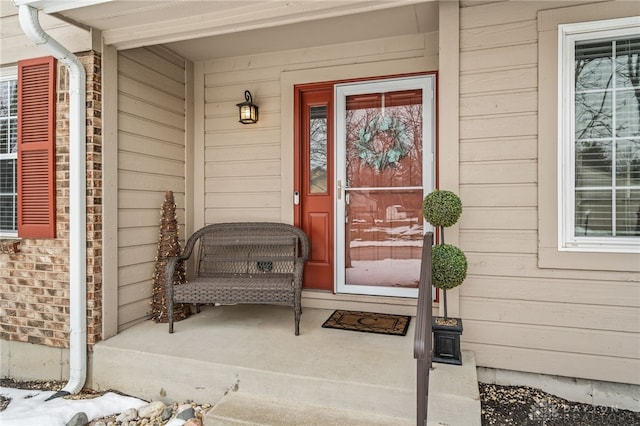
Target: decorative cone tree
point(449, 269)
point(168, 246)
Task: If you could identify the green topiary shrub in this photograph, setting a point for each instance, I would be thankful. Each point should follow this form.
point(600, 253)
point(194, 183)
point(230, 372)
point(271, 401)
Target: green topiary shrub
point(441, 208)
point(449, 266)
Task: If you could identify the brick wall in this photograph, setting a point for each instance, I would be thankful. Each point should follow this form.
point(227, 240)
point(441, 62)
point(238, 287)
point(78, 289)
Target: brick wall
point(92, 63)
point(34, 281)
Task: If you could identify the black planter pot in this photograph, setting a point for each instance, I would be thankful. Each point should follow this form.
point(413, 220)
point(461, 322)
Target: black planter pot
point(446, 340)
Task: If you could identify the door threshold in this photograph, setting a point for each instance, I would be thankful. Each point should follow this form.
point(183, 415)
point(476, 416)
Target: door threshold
point(356, 302)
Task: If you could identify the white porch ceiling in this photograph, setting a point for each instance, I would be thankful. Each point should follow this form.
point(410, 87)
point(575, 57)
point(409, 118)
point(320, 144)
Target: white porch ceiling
point(200, 29)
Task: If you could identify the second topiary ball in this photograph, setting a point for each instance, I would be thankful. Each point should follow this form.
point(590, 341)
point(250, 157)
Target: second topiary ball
point(449, 267)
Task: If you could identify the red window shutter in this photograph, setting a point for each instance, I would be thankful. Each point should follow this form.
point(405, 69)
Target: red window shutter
point(36, 148)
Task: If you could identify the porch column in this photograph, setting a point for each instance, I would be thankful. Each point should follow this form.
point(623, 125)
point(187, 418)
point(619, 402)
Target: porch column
point(449, 117)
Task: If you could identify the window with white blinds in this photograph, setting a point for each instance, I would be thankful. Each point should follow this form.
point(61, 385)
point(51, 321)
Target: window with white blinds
point(8, 155)
point(600, 140)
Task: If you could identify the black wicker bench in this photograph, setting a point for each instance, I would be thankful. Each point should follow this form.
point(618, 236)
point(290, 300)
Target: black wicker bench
point(253, 262)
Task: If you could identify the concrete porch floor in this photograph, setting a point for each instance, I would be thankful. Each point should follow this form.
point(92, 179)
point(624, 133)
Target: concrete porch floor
point(247, 361)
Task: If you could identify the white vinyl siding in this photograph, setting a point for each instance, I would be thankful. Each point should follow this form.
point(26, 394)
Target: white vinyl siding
point(242, 166)
point(517, 315)
point(151, 161)
point(15, 45)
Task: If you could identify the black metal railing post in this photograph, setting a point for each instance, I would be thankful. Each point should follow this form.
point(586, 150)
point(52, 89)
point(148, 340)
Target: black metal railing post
point(422, 339)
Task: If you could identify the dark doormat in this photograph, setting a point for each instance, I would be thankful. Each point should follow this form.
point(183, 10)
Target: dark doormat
point(368, 322)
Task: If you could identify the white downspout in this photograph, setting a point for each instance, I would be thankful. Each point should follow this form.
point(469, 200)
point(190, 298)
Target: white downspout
point(77, 197)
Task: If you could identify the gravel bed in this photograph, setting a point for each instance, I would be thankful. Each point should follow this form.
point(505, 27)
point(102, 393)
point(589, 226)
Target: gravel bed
point(520, 405)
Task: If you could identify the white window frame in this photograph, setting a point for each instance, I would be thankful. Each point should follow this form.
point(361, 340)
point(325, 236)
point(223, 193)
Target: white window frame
point(8, 73)
point(568, 35)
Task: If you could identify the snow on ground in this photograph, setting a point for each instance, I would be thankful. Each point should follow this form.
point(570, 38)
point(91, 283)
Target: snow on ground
point(386, 243)
point(29, 407)
point(384, 272)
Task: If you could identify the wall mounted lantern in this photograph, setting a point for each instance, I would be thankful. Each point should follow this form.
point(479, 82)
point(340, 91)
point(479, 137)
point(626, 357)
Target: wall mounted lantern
point(248, 110)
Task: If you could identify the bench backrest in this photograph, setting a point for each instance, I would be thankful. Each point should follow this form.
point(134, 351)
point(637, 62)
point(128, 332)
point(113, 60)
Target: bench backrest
point(250, 248)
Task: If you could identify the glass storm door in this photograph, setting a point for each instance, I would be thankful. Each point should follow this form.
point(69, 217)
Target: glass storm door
point(384, 167)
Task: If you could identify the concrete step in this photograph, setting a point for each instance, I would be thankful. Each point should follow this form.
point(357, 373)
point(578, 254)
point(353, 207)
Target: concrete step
point(238, 408)
point(454, 398)
point(251, 352)
point(252, 349)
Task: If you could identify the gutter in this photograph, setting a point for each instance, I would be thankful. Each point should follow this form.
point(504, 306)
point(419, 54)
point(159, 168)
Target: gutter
point(77, 197)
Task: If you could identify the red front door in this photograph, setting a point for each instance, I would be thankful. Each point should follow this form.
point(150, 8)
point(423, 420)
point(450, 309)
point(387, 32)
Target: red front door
point(314, 181)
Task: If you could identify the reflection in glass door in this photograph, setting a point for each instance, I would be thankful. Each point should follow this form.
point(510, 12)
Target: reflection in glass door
point(385, 143)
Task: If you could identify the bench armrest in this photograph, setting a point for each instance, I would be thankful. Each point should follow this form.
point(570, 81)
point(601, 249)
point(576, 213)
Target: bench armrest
point(173, 261)
point(298, 271)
